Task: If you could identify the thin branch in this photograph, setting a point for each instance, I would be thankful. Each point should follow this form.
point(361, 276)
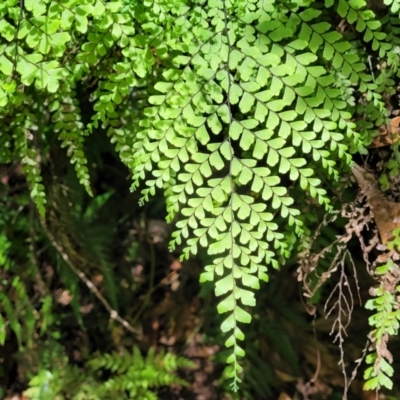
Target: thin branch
point(358, 363)
point(113, 313)
point(345, 306)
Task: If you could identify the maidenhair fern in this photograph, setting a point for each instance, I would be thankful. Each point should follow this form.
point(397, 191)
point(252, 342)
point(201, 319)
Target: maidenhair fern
point(242, 109)
point(385, 321)
point(235, 109)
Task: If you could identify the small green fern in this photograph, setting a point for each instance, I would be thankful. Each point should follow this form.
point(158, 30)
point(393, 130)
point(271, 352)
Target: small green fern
point(15, 304)
point(132, 377)
point(138, 375)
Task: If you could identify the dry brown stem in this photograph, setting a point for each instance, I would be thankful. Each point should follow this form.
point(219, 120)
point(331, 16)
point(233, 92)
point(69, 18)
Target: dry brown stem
point(92, 287)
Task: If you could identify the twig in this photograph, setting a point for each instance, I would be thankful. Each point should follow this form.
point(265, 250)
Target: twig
point(318, 369)
point(358, 363)
point(113, 313)
point(345, 308)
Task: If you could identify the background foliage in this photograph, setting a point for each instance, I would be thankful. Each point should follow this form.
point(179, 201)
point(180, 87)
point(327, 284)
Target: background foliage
point(239, 122)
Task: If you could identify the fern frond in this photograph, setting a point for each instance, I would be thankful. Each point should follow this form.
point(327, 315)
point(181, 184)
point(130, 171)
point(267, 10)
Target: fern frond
point(138, 375)
point(67, 123)
point(241, 105)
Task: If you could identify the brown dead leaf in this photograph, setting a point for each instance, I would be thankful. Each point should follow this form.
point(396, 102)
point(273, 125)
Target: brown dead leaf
point(4, 179)
point(386, 213)
point(388, 134)
point(97, 277)
point(87, 308)
point(63, 297)
point(176, 265)
point(284, 396)
point(317, 388)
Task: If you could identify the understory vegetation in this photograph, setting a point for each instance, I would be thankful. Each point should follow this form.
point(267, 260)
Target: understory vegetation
point(199, 199)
